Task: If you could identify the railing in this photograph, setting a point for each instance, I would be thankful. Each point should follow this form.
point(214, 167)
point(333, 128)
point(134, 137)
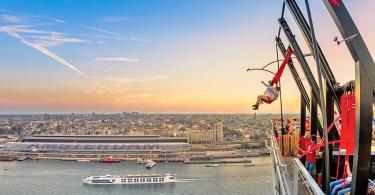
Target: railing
point(302, 176)
point(284, 183)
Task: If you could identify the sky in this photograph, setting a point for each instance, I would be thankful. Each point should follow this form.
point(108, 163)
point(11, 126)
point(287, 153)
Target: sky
point(160, 56)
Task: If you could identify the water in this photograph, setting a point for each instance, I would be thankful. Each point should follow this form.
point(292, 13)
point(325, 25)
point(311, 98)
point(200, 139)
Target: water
point(38, 177)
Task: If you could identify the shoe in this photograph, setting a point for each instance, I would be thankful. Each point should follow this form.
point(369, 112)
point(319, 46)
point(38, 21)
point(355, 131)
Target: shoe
point(255, 107)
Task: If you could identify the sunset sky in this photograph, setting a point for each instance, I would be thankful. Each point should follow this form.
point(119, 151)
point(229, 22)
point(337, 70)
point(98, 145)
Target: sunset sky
point(160, 56)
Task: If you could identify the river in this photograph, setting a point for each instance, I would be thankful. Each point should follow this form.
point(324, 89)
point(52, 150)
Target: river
point(39, 177)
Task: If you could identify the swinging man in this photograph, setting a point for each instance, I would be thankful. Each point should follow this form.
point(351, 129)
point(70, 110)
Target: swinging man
point(270, 95)
point(273, 91)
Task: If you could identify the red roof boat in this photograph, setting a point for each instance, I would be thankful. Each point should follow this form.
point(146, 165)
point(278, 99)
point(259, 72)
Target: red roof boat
point(109, 159)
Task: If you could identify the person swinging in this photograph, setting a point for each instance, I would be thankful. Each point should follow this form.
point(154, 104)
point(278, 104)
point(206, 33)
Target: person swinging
point(271, 94)
point(273, 90)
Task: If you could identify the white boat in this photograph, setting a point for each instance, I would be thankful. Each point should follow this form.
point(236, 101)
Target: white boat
point(213, 165)
point(142, 161)
point(131, 179)
point(150, 164)
point(83, 160)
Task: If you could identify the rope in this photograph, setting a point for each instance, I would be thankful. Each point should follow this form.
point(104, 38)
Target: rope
point(281, 99)
point(338, 165)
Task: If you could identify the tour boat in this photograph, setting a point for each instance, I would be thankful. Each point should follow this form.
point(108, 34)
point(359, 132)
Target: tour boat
point(131, 179)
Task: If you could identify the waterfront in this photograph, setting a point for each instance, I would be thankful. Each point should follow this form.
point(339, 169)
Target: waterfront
point(64, 177)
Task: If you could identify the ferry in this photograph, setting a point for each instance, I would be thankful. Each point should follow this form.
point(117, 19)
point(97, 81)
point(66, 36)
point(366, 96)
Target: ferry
point(130, 179)
point(150, 164)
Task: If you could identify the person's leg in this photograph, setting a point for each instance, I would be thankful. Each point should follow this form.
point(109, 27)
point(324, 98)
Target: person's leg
point(307, 165)
point(333, 184)
point(336, 188)
point(345, 190)
point(266, 99)
point(259, 100)
point(311, 168)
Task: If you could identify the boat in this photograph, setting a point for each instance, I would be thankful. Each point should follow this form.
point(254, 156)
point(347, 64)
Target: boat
point(21, 158)
point(83, 160)
point(130, 179)
point(67, 159)
point(249, 165)
point(109, 159)
point(213, 165)
point(150, 164)
point(142, 161)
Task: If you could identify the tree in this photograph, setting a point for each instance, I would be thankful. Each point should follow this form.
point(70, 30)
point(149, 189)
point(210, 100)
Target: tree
point(245, 145)
point(17, 129)
point(231, 133)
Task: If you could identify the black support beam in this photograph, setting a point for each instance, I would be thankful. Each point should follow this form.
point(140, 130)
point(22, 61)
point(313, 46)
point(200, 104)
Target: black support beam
point(303, 118)
point(300, 57)
point(292, 68)
point(314, 115)
point(306, 32)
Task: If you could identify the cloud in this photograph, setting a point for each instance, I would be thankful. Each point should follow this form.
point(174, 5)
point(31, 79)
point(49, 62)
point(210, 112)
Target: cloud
point(116, 59)
point(61, 21)
point(115, 81)
point(111, 19)
point(41, 38)
point(55, 39)
point(140, 40)
point(122, 80)
point(109, 32)
point(21, 29)
point(11, 18)
point(14, 33)
point(17, 17)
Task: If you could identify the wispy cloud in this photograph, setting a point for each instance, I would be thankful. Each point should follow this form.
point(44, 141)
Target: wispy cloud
point(55, 39)
point(41, 38)
point(14, 32)
point(123, 80)
point(116, 59)
point(17, 17)
point(108, 32)
point(11, 18)
point(111, 19)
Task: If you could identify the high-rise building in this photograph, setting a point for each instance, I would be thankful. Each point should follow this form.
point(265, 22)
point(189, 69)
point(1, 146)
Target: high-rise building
point(218, 132)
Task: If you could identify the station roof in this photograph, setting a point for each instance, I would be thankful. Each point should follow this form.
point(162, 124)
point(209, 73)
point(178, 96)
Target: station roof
point(104, 139)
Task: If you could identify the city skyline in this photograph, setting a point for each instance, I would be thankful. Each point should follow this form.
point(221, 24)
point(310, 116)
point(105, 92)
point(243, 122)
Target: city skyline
point(153, 57)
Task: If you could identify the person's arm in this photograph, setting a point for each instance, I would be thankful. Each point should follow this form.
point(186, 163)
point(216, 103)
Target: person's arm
point(317, 152)
point(348, 171)
point(265, 84)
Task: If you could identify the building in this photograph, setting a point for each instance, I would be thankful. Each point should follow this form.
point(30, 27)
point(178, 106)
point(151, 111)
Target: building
point(200, 137)
point(73, 146)
point(218, 132)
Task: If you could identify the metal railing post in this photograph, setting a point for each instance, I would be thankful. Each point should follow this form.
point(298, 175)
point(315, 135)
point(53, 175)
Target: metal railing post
point(295, 180)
